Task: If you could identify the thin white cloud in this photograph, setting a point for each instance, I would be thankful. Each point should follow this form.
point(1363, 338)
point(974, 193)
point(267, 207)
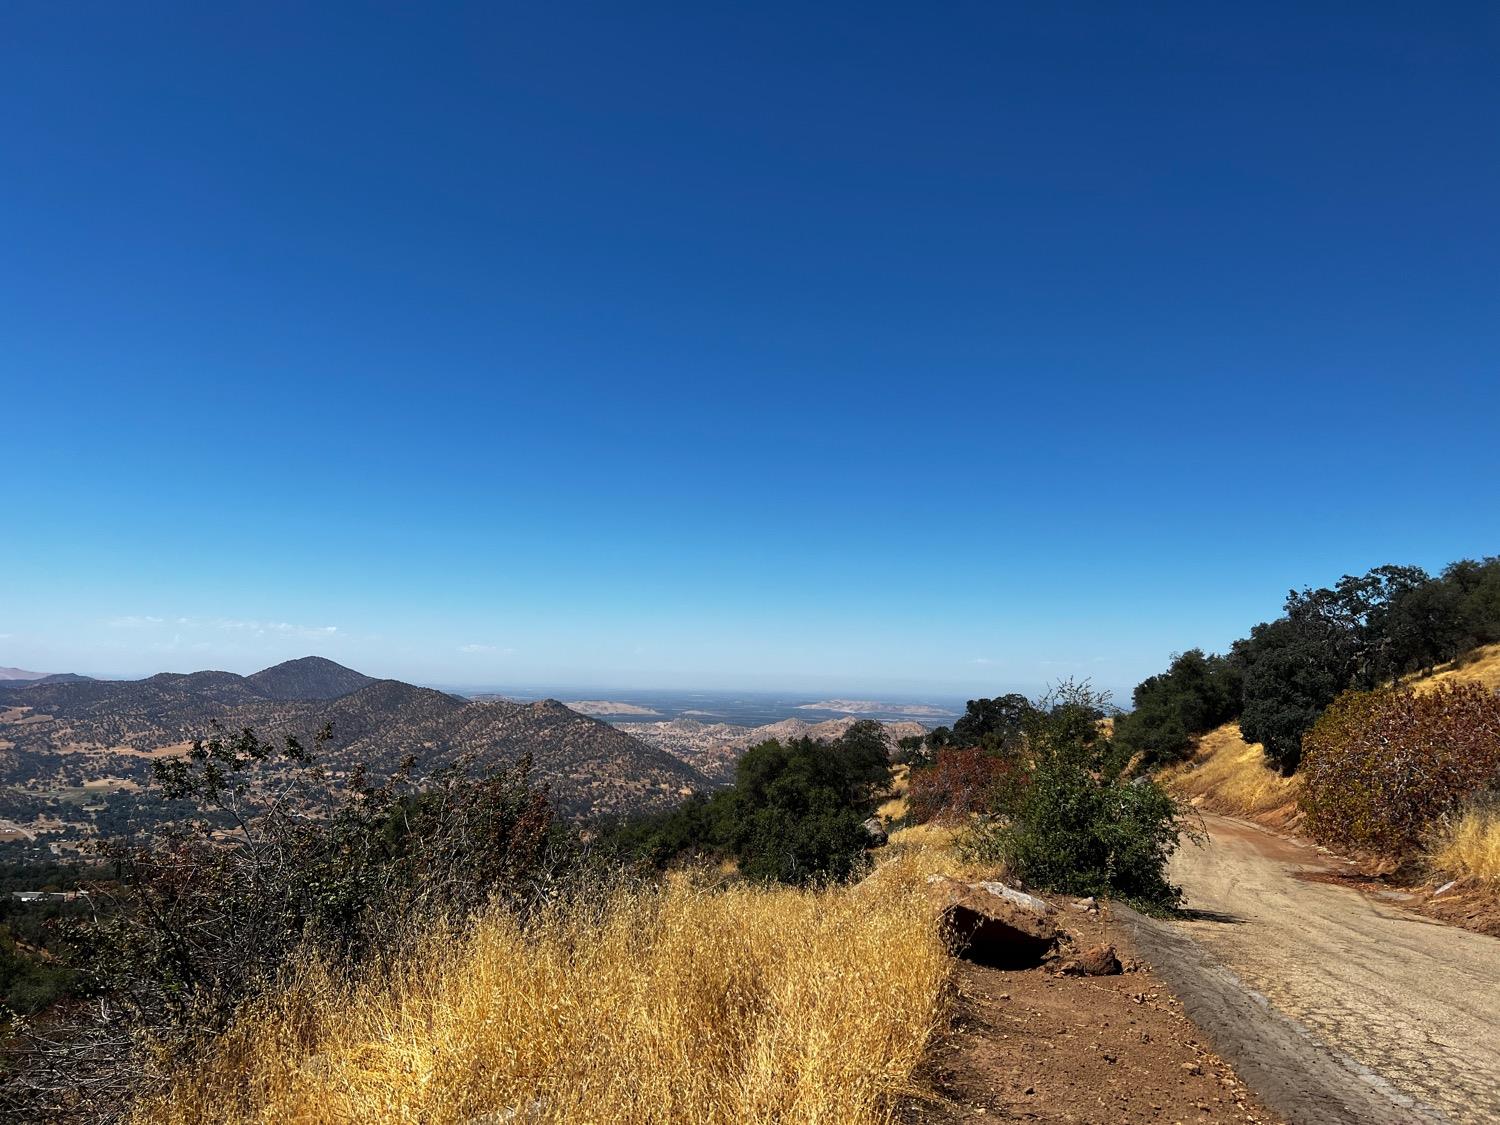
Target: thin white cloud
point(233, 624)
point(283, 628)
point(478, 648)
point(981, 660)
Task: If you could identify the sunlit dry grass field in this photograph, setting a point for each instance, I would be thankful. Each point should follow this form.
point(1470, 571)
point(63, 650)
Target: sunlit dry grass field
point(1231, 776)
point(687, 1002)
point(1481, 666)
point(1470, 845)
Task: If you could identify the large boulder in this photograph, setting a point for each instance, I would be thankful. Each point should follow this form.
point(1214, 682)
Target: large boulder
point(995, 924)
point(875, 834)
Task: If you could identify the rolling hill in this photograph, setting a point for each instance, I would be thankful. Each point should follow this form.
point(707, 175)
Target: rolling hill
point(58, 735)
point(311, 677)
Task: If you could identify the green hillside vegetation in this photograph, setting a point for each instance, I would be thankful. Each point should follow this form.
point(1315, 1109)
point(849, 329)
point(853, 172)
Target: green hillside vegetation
point(795, 813)
point(1370, 696)
point(1040, 788)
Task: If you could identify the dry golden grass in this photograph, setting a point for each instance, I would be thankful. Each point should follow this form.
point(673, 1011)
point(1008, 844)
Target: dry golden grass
point(1480, 666)
point(1469, 845)
point(683, 1003)
point(1231, 776)
point(894, 807)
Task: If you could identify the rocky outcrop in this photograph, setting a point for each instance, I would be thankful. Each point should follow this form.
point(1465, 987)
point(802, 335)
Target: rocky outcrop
point(994, 924)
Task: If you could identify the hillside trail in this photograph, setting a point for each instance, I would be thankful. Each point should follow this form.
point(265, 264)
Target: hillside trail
point(1345, 1008)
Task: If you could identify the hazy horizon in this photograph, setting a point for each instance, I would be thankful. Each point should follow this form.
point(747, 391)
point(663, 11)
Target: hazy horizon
point(833, 688)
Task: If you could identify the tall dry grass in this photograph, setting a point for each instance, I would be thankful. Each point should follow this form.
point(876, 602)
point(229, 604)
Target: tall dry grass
point(894, 807)
point(679, 1003)
point(1231, 776)
point(1478, 666)
point(1468, 846)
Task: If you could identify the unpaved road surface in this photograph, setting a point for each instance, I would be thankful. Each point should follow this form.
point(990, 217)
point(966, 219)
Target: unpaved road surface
point(1397, 1017)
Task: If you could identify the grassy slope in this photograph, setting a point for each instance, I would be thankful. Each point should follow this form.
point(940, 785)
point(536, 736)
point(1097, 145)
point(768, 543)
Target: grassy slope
point(688, 1002)
point(1227, 774)
point(1482, 666)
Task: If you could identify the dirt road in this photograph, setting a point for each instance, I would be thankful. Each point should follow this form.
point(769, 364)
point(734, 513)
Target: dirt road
point(1364, 1012)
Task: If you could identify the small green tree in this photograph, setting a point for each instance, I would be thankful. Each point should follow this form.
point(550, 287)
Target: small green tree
point(798, 808)
point(1195, 694)
point(1296, 666)
point(795, 813)
point(1077, 826)
point(995, 724)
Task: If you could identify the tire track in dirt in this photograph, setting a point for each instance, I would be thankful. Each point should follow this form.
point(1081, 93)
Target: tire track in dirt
point(1333, 1006)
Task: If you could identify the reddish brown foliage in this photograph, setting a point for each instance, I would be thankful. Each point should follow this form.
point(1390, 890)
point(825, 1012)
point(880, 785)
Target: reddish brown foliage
point(1380, 767)
point(958, 783)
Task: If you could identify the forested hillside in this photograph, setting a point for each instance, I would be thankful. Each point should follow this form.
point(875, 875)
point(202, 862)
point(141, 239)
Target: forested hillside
point(1367, 714)
point(57, 737)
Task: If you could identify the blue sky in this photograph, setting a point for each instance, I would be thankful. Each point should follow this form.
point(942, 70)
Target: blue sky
point(894, 348)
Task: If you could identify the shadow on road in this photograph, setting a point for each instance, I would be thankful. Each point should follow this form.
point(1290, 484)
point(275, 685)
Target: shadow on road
point(1190, 915)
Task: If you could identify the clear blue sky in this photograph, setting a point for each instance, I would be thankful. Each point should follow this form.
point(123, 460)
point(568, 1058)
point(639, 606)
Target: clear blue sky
point(889, 347)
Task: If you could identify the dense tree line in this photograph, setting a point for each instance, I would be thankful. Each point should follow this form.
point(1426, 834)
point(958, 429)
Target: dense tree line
point(1364, 631)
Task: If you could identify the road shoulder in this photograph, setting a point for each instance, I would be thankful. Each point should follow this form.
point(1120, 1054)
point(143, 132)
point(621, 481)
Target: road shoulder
point(1291, 1072)
point(1033, 1045)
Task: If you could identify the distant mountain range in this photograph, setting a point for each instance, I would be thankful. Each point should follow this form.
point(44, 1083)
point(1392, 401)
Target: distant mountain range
point(875, 707)
point(60, 734)
point(20, 675)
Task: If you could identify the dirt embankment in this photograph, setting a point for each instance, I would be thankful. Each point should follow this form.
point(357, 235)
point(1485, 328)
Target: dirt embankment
point(1035, 1046)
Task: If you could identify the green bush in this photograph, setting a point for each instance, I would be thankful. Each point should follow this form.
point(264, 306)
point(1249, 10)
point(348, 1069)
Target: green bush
point(1380, 767)
point(795, 813)
point(1076, 826)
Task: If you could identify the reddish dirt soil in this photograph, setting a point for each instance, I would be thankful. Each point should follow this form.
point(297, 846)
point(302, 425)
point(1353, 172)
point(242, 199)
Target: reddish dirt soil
point(1028, 1045)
